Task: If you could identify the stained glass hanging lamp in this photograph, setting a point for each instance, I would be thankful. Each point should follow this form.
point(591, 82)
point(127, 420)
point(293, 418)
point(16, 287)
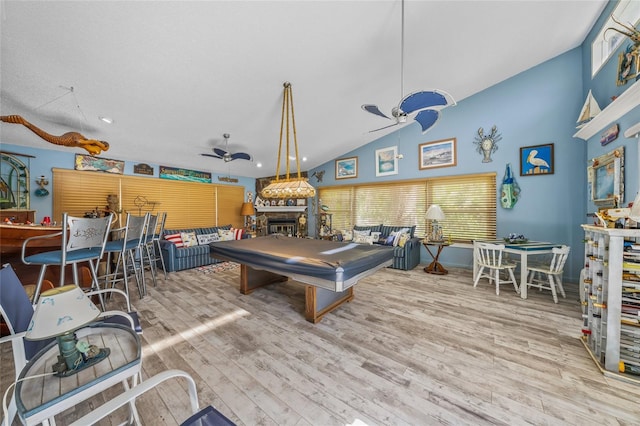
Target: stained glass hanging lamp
point(288, 187)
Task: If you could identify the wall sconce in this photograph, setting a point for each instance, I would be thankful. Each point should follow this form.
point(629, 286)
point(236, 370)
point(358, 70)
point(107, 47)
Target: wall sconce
point(42, 191)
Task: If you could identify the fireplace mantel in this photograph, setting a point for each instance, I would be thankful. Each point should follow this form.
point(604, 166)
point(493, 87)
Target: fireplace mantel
point(280, 209)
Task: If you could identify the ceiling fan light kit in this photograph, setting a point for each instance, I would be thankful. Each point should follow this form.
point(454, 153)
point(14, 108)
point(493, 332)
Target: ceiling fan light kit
point(426, 103)
point(288, 187)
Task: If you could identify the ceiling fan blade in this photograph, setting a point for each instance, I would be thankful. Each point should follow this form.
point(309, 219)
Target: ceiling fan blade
point(240, 156)
point(385, 127)
point(221, 152)
point(211, 155)
point(427, 118)
point(424, 99)
point(373, 109)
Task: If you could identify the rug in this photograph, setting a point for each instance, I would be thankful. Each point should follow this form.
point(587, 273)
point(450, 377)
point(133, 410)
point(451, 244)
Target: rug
point(218, 267)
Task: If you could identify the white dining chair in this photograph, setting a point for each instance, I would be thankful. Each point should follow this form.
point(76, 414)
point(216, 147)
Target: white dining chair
point(492, 263)
point(549, 276)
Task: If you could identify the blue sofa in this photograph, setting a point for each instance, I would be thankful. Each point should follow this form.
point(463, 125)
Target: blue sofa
point(177, 259)
point(405, 258)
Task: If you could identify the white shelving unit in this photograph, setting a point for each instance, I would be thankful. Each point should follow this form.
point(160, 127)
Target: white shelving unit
point(624, 103)
point(611, 311)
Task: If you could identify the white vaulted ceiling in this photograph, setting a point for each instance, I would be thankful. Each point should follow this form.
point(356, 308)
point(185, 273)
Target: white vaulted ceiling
point(176, 75)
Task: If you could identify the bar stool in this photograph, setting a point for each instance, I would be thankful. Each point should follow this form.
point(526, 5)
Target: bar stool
point(83, 240)
point(126, 243)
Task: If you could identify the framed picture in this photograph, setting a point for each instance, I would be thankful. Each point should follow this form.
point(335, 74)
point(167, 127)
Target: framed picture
point(606, 178)
point(347, 168)
point(96, 164)
point(387, 161)
point(627, 66)
point(536, 160)
point(435, 154)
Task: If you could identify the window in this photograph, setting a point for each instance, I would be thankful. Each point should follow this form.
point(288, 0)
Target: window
point(607, 42)
point(468, 201)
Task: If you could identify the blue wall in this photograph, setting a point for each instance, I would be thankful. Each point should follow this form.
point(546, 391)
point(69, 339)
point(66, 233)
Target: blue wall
point(539, 106)
point(45, 160)
point(603, 87)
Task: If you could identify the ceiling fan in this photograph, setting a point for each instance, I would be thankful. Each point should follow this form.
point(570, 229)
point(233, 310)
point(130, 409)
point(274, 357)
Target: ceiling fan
point(225, 155)
point(427, 103)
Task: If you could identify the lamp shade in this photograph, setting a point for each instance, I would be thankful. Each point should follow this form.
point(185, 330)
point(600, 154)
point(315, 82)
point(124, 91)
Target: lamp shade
point(247, 209)
point(60, 311)
point(434, 213)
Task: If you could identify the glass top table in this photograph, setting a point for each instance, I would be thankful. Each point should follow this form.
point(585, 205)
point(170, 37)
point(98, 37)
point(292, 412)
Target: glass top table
point(41, 398)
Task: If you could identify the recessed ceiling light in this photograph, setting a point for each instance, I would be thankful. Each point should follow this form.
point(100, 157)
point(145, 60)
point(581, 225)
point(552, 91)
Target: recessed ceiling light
point(107, 120)
point(259, 165)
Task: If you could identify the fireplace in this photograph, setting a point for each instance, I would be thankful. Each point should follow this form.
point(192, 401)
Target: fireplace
point(281, 220)
point(286, 226)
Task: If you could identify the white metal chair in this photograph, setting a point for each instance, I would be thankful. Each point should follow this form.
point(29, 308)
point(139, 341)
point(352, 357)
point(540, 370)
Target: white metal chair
point(83, 240)
point(549, 277)
point(490, 259)
point(126, 244)
point(207, 416)
point(17, 310)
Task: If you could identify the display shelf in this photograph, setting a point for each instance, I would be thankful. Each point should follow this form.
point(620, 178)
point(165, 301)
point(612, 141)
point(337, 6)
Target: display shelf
point(610, 295)
point(624, 103)
point(273, 209)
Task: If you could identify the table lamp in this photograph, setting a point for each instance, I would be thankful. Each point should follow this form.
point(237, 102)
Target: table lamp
point(246, 211)
point(435, 213)
point(59, 312)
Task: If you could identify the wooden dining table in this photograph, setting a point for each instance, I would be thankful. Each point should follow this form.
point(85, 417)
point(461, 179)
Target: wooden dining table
point(524, 250)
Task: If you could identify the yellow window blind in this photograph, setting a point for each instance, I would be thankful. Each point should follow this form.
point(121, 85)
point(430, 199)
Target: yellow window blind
point(188, 204)
point(468, 201)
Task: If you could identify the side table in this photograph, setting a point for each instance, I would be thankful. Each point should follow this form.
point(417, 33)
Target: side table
point(40, 399)
point(435, 267)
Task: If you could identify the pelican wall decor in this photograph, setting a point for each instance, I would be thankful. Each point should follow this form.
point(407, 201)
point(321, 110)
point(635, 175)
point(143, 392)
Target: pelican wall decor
point(536, 160)
point(71, 139)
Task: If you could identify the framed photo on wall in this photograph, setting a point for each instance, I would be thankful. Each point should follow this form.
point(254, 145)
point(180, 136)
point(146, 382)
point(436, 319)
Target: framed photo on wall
point(97, 164)
point(627, 66)
point(347, 168)
point(387, 161)
point(435, 154)
point(536, 160)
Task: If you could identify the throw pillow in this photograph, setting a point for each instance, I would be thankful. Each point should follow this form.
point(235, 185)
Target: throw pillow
point(175, 239)
point(398, 234)
point(237, 233)
point(362, 239)
point(189, 239)
point(362, 232)
point(404, 237)
point(226, 234)
point(389, 240)
point(205, 239)
point(347, 235)
point(376, 236)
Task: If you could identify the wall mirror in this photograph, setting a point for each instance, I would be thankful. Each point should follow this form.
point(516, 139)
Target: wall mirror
point(606, 178)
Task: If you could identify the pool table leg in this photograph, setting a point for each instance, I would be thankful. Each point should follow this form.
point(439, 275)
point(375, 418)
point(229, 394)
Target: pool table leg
point(251, 279)
point(319, 301)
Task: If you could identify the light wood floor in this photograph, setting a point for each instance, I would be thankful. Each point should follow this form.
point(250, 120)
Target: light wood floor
point(411, 349)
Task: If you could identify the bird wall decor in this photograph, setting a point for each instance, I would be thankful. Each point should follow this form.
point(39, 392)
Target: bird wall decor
point(70, 139)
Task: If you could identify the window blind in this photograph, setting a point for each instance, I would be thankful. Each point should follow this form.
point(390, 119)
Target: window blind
point(468, 201)
point(188, 204)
